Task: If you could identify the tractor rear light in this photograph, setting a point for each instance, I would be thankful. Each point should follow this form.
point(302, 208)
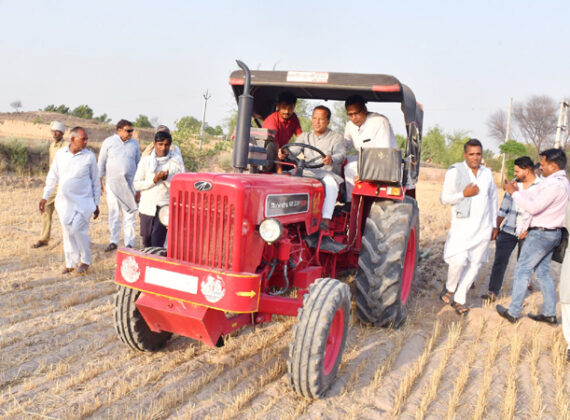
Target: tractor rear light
point(396, 191)
point(270, 230)
point(163, 214)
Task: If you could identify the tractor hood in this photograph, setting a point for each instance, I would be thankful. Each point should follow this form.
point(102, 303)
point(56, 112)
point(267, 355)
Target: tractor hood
point(291, 199)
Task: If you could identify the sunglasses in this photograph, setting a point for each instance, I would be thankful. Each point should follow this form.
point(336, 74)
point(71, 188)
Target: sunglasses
point(130, 130)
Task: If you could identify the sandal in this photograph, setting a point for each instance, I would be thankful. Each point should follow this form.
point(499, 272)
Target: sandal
point(39, 244)
point(460, 309)
point(446, 296)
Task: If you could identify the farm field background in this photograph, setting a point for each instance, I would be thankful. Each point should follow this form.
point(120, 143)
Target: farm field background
point(60, 357)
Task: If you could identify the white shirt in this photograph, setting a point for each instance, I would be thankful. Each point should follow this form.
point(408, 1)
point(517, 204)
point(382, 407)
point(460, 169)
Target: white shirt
point(375, 131)
point(153, 195)
point(79, 186)
point(118, 158)
point(468, 232)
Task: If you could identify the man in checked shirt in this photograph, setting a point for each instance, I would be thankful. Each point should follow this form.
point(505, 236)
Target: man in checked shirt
point(507, 237)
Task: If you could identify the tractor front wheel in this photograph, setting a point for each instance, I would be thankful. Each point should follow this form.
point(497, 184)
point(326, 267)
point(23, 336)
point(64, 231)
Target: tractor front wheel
point(388, 262)
point(131, 327)
point(319, 337)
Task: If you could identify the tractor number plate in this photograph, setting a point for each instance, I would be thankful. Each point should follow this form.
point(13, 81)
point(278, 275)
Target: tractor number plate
point(177, 281)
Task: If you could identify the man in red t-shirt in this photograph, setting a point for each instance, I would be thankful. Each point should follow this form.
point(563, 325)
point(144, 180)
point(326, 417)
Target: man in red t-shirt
point(285, 123)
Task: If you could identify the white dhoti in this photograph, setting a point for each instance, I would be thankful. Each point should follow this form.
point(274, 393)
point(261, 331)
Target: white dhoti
point(331, 193)
point(76, 242)
point(464, 269)
point(116, 208)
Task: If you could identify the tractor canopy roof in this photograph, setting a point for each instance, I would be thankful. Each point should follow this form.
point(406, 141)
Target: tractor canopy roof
point(267, 85)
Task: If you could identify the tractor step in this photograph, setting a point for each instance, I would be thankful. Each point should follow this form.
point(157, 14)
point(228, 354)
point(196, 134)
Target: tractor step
point(328, 244)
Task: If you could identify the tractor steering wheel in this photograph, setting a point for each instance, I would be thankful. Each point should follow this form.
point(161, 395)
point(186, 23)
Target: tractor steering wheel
point(302, 163)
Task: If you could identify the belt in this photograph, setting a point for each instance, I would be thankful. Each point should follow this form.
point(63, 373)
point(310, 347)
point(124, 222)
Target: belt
point(543, 228)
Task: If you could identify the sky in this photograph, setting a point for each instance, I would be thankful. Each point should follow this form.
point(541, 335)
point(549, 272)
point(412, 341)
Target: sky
point(463, 60)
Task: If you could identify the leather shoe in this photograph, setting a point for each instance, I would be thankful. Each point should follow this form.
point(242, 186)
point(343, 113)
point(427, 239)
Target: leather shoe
point(67, 270)
point(504, 312)
point(111, 247)
point(82, 268)
point(543, 318)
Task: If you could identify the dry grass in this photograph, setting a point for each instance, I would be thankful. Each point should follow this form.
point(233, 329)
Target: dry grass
point(60, 357)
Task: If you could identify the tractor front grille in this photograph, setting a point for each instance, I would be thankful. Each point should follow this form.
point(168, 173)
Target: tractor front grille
point(202, 228)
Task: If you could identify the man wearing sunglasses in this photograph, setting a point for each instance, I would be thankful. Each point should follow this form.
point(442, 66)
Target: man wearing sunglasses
point(118, 160)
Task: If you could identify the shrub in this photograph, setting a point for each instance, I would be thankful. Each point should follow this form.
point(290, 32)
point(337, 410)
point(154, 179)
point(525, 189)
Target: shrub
point(16, 155)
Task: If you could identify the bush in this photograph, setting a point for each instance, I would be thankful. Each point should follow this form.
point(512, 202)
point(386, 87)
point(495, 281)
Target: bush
point(15, 156)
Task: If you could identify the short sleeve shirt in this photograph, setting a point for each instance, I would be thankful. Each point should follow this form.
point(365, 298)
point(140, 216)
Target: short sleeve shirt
point(284, 129)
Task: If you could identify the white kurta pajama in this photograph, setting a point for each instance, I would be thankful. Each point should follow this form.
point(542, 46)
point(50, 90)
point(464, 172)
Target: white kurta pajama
point(118, 162)
point(467, 245)
point(375, 131)
point(78, 192)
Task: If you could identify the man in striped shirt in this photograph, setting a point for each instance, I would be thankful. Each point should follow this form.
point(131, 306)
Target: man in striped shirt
point(506, 236)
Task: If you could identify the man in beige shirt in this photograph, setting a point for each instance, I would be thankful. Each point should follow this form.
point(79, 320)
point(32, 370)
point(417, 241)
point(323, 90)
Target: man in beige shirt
point(57, 131)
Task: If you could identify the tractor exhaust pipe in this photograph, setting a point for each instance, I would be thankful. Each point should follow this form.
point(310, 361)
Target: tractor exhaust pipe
point(245, 111)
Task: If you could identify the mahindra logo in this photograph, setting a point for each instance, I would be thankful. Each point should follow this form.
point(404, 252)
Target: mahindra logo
point(203, 186)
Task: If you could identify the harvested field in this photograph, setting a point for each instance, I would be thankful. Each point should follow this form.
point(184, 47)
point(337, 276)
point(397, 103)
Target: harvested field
point(60, 357)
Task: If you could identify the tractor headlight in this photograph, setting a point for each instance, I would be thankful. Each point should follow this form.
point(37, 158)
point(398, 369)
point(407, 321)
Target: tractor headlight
point(163, 214)
point(270, 230)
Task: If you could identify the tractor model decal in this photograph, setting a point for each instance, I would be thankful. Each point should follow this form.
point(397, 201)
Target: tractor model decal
point(213, 288)
point(130, 270)
point(171, 280)
point(283, 204)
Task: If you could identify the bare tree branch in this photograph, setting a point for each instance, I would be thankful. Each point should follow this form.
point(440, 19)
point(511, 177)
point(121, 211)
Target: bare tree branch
point(497, 125)
point(536, 120)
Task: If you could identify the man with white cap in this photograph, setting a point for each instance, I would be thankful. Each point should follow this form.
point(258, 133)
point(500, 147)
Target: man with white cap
point(57, 132)
point(118, 160)
point(75, 170)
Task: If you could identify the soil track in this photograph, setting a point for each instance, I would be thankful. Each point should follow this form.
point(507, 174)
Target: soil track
point(60, 357)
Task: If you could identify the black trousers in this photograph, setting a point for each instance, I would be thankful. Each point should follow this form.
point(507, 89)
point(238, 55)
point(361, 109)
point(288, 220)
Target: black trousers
point(505, 244)
point(152, 231)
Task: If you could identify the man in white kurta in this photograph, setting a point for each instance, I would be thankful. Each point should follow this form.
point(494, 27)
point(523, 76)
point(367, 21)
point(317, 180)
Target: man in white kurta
point(364, 129)
point(74, 172)
point(118, 160)
point(470, 189)
point(152, 179)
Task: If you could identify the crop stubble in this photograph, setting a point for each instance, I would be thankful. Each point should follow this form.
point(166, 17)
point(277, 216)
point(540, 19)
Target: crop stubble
point(59, 356)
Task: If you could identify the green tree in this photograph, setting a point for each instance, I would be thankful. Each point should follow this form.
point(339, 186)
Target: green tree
point(103, 118)
point(214, 131)
point(304, 113)
point(83, 111)
point(187, 127)
point(512, 150)
point(433, 145)
point(62, 109)
point(455, 143)
point(142, 121)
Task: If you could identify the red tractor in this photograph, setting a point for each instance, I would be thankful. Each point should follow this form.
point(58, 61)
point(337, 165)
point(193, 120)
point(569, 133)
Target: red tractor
point(245, 246)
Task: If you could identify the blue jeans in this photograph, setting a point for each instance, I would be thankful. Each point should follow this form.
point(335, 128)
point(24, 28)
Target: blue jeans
point(535, 256)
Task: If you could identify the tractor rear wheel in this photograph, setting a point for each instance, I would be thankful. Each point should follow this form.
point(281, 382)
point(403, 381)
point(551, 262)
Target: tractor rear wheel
point(129, 323)
point(319, 337)
point(387, 262)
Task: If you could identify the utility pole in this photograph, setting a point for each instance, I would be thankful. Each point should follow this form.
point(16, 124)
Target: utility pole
point(507, 134)
point(561, 127)
point(206, 97)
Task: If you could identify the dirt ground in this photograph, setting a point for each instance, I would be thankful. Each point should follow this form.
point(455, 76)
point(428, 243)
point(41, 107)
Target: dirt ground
point(60, 357)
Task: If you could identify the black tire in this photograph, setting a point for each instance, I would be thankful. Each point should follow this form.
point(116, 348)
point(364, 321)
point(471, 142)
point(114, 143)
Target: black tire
point(319, 337)
point(129, 323)
point(380, 299)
